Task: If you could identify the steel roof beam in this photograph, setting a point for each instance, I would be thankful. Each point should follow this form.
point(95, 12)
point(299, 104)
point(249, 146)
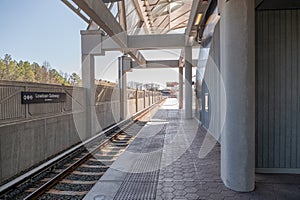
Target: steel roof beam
point(144, 42)
point(193, 13)
point(147, 42)
point(77, 11)
point(167, 41)
point(159, 64)
point(101, 15)
point(122, 14)
point(163, 64)
point(142, 15)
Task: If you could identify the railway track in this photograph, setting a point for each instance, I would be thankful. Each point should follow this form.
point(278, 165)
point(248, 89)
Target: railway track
point(76, 172)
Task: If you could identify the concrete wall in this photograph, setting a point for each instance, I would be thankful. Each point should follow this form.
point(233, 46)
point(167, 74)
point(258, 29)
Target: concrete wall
point(211, 87)
point(32, 133)
point(24, 144)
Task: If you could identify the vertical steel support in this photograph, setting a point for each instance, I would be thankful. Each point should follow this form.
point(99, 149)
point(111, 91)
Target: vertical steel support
point(122, 14)
point(152, 97)
point(144, 98)
point(188, 82)
point(123, 89)
point(180, 87)
point(136, 100)
point(238, 72)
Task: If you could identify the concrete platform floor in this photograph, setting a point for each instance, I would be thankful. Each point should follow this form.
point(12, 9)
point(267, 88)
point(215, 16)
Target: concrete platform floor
point(163, 162)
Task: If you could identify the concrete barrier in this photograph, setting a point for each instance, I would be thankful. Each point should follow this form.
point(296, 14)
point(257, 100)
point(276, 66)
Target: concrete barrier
point(33, 133)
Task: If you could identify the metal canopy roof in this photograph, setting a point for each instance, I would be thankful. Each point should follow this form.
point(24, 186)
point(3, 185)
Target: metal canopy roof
point(125, 20)
point(166, 15)
point(139, 17)
point(144, 16)
point(151, 16)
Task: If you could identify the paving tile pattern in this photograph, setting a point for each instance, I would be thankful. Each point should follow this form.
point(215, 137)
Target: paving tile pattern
point(174, 169)
point(190, 177)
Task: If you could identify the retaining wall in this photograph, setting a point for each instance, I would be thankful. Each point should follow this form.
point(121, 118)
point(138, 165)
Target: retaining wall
point(32, 133)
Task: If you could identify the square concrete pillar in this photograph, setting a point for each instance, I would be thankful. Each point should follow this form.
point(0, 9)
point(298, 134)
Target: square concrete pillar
point(188, 82)
point(90, 47)
point(180, 87)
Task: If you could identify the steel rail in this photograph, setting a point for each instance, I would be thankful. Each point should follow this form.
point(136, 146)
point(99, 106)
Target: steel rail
point(56, 179)
point(5, 188)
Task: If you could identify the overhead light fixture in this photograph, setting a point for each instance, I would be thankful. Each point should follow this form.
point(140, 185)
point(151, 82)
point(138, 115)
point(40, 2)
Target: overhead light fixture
point(198, 19)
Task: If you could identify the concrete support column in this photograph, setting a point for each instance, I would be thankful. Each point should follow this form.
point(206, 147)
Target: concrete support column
point(188, 82)
point(152, 97)
point(238, 72)
point(123, 88)
point(88, 82)
point(90, 47)
point(180, 87)
point(137, 100)
point(144, 98)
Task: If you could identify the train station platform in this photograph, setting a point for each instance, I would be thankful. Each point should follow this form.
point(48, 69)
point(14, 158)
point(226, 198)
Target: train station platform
point(165, 161)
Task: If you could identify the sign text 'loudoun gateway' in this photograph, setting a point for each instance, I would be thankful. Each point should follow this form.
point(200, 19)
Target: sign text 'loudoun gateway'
point(42, 97)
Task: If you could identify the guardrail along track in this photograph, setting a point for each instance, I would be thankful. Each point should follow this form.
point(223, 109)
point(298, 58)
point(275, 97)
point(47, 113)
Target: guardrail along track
point(75, 172)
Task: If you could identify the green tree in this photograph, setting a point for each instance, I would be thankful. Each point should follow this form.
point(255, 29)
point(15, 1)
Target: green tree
point(66, 79)
point(45, 74)
point(21, 70)
point(25, 71)
point(28, 72)
point(75, 79)
point(7, 60)
point(59, 78)
point(13, 71)
point(37, 72)
point(2, 69)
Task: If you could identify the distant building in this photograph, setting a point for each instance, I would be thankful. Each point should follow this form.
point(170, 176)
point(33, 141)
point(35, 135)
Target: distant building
point(135, 85)
point(172, 84)
point(152, 86)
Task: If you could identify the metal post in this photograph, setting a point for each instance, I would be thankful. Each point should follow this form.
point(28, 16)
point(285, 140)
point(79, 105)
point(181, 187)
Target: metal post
point(188, 82)
point(180, 87)
point(238, 72)
point(144, 98)
point(123, 88)
point(122, 14)
point(137, 100)
point(152, 97)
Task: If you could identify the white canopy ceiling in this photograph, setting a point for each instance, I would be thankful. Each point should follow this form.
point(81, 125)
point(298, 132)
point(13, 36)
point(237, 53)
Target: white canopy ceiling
point(153, 16)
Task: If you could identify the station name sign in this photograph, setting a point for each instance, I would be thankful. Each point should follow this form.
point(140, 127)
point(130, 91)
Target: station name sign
point(43, 97)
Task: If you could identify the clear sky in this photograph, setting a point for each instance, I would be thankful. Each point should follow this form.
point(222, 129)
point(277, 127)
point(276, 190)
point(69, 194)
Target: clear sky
point(47, 30)
point(41, 30)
